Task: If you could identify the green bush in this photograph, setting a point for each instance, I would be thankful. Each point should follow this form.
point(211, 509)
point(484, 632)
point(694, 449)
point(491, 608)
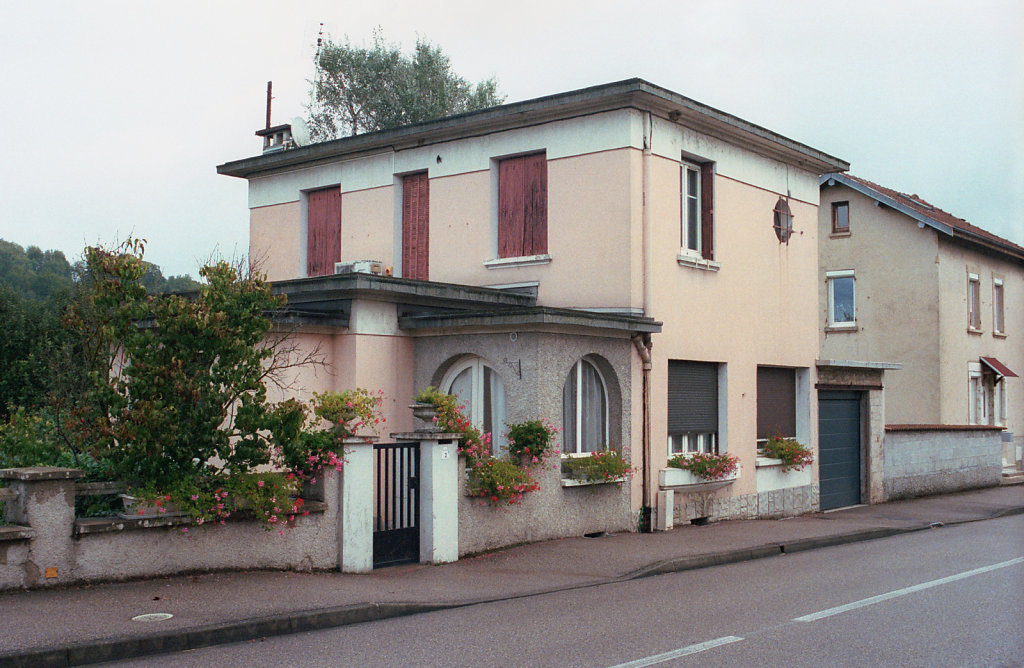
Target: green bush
point(600, 466)
point(792, 453)
point(531, 441)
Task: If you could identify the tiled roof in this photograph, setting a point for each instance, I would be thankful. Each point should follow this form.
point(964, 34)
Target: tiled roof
point(957, 227)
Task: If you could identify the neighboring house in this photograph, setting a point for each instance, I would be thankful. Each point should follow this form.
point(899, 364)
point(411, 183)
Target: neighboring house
point(904, 282)
point(635, 266)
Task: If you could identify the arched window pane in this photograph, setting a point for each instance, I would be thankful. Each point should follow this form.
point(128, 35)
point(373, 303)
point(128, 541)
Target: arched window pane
point(584, 410)
point(462, 387)
point(569, 411)
point(481, 393)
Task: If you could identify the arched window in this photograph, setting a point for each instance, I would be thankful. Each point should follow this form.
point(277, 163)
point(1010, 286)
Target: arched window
point(481, 392)
point(584, 409)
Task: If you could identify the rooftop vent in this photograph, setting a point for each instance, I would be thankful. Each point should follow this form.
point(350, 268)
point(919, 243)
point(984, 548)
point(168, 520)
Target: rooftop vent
point(359, 267)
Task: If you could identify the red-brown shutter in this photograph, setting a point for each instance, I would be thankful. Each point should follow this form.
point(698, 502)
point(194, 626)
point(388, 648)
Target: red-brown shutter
point(523, 206)
point(323, 238)
point(415, 226)
point(707, 211)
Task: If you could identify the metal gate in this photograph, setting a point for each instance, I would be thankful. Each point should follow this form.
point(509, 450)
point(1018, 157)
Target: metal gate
point(396, 533)
point(839, 451)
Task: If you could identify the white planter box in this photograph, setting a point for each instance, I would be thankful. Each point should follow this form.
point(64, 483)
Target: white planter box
point(770, 475)
point(673, 478)
point(572, 482)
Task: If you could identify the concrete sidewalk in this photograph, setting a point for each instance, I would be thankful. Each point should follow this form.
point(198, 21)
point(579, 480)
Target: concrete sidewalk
point(89, 624)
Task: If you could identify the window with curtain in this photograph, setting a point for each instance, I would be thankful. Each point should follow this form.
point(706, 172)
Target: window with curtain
point(481, 392)
point(584, 410)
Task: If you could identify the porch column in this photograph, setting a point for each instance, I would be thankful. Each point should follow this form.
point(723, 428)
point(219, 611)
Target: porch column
point(355, 535)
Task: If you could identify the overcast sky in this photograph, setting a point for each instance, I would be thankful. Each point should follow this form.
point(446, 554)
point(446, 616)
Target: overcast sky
point(115, 114)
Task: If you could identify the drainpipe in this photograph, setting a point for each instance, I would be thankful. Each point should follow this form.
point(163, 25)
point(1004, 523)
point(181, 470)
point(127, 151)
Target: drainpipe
point(643, 343)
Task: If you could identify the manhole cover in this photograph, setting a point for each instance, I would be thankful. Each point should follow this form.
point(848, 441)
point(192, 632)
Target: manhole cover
point(152, 617)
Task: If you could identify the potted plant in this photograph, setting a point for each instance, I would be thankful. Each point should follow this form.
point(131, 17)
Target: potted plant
point(531, 442)
point(599, 467)
point(790, 452)
point(695, 468)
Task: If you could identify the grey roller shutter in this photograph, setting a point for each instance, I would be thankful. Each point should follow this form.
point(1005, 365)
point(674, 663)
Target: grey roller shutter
point(692, 397)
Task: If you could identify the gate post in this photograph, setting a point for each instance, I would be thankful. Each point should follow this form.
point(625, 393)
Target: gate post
point(355, 535)
point(439, 495)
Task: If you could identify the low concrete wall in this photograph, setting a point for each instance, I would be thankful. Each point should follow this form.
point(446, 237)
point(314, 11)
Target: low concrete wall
point(48, 546)
point(922, 460)
point(550, 512)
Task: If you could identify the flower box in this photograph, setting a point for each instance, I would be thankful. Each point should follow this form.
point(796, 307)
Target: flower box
point(135, 509)
point(573, 482)
point(670, 478)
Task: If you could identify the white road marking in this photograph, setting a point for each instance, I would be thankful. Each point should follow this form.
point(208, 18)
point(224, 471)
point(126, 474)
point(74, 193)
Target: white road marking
point(676, 653)
point(814, 616)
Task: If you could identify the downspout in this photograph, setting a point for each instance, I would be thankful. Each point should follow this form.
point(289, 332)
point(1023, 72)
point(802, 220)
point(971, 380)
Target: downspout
point(643, 343)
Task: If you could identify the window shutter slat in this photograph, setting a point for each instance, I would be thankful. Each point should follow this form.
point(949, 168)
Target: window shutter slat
point(776, 402)
point(323, 237)
point(707, 211)
point(416, 226)
point(692, 397)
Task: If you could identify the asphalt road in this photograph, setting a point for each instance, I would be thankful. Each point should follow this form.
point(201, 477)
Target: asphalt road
point(952, 596)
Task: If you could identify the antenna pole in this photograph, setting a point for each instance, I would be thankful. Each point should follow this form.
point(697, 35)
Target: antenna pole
point(270, 88)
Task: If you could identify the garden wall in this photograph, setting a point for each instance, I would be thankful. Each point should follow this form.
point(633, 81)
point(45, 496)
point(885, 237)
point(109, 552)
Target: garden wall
point(923, 459)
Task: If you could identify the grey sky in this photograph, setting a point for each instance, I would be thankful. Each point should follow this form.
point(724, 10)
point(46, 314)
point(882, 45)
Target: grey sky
point(115, 114)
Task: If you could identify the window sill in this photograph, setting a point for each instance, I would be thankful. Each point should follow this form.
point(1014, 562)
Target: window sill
point(842, 328)
point(673, 478)
point(839, 235)
point(524, 261)
point(695, 262)
point(976, 332)
point(999, 335)
point(767, 461)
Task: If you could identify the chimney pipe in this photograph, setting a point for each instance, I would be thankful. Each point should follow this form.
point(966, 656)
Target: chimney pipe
point(270, 87)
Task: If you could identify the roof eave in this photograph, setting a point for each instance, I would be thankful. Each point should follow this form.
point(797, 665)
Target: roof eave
point(631, 93)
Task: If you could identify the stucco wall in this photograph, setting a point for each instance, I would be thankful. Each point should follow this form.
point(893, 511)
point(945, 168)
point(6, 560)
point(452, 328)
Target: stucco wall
point(959, 346)
point(277, 241)
point(758, 308)
point(545, 359)
point(896, 297)
point(918, 463)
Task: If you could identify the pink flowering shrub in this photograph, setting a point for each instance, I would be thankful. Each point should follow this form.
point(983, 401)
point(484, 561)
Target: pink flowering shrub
point(598, 466)
point(533, 441)
point(792, 453)
point(707, 465)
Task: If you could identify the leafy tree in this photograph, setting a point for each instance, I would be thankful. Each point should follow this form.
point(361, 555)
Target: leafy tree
point(359, 89)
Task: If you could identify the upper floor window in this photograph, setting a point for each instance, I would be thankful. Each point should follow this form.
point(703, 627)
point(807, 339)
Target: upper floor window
point(973, 302)
point(523, 206)
point(840, 217)
point(584, 409)
point(323, 231)
point(482, 396)
point(842, 311)
point(416, 226)
point(998, 314)
point(692, 406)
point(696, 191)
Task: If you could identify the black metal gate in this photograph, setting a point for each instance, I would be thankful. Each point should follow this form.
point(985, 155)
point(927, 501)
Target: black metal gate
point(396, 533)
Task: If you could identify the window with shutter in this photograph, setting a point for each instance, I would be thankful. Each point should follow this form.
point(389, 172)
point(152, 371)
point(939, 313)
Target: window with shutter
point(523, 206)
point(776, 402)
point(323, 232)
point(692, 406)
point(416, 226)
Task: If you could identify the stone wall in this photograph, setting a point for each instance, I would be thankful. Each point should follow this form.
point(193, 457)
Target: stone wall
point(919, 462)
point(785, 502)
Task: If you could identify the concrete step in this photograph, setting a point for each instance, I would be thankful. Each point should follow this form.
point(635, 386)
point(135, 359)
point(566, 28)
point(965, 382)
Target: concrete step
point(1012, 477)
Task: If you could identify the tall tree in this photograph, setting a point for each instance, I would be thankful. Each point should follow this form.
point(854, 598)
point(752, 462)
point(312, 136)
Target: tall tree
point(359, 89)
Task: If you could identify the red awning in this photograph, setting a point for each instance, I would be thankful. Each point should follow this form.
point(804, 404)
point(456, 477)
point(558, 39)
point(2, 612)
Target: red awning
point(998, 367)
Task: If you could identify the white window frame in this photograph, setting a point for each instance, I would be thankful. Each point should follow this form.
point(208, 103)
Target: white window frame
point(499, 442)
point(973, 302)
point(998, 306)
point(684, 211)
point(977, 397)
point(704, 442)
point(577, 437)
point(830, 278)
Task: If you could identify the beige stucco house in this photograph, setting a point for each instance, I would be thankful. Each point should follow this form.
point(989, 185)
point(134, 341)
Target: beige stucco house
point(634, 266)
point(901, 281)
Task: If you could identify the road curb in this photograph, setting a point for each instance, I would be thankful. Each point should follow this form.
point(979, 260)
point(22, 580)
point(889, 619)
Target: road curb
point(119, 649)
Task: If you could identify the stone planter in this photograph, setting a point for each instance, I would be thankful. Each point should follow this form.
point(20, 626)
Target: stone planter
point(572, 482)
point(425, 413)
point(770, 475)
point(673, 478)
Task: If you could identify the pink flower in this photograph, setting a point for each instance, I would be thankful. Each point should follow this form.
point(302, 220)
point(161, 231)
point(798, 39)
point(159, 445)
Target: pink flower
point(259, 483)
